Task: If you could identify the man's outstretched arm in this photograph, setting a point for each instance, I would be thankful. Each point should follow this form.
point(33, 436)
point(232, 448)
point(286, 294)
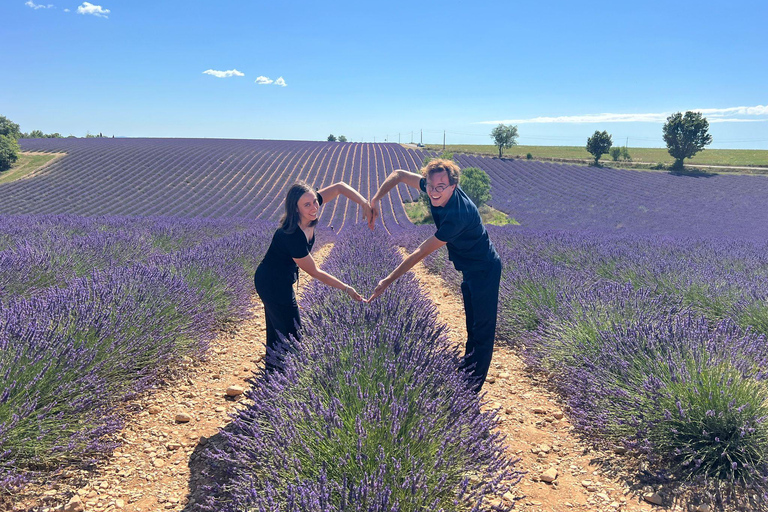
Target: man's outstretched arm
point(397, 176)
point(429, 246)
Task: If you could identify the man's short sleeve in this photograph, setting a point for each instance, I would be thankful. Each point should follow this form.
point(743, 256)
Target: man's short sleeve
point(423, 184)
point(296, 243)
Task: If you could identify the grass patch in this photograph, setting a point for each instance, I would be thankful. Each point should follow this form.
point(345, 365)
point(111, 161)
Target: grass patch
point(419, 213)
point(27, 164)
point(494, 217)
point(734, 157)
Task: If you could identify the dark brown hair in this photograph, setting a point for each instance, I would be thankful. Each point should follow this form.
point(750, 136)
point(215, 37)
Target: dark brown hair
point(290, 220)
point(442, 165)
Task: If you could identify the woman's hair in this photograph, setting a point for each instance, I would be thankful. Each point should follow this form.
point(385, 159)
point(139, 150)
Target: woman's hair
point(290, 220)
point(442, 165)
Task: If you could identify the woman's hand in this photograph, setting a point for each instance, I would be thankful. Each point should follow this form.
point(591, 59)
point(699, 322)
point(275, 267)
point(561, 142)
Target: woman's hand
point(368, 213)
point(375, 212)
point(353, 293)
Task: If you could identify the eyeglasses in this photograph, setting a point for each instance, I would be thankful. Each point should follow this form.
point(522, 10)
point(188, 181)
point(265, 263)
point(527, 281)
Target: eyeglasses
point(439, 189)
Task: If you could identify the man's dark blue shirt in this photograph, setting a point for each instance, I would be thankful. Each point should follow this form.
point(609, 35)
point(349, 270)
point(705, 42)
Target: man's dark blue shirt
point(460, 227)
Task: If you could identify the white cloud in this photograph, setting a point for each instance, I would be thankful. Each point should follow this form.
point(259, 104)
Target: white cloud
point(714, 115)
point(759, 110)
point(35, 6)
point(263, 80)
point(66, 10)
point(223, 74)
point(96, 10)
point(280, 82)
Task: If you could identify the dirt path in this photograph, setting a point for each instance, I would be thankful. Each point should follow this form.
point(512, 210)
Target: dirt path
point(537, 431)
point(151, 470)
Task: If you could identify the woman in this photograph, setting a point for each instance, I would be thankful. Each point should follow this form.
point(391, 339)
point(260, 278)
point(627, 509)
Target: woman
point(290, 250)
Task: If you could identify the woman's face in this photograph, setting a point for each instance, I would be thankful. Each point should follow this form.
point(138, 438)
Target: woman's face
point(309, 208)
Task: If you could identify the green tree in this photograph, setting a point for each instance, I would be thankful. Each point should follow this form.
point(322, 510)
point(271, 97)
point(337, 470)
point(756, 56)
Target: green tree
point(625, 153)
point(9, 152)
point(36, 134)
point(599, 144)
point(476, 184)
point(504, 137)
point(615, 153)
point(331, 138)
point(686, 135)
point(9, 128)
point(342, 138)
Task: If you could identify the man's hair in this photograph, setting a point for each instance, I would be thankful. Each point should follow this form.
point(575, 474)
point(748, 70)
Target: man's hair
point(442, 165)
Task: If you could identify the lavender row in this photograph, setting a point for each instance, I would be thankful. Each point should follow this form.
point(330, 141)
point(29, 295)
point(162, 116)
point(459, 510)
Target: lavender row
point(70, 354)
point(370, 412)
point(204, 178)
point(658, 345)
point(41, 251)
point(556, 196)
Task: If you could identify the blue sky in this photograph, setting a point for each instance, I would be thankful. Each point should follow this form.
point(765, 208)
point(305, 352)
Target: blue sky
point(362, 69)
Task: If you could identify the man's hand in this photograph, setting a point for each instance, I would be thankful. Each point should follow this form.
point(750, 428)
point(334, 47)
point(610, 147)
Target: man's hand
point(383, 284)
point(375, 212)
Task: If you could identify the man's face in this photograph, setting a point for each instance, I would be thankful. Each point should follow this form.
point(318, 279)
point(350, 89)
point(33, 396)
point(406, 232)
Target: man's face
point(439, 188)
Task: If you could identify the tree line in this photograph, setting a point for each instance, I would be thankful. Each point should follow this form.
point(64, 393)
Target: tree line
point(10, 133)
point(684, 134)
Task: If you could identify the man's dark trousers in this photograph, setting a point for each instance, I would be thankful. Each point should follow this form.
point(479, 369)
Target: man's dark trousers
point(480, 291)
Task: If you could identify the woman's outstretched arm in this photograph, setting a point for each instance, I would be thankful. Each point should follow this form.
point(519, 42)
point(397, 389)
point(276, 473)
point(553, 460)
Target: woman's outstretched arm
point(397, 176)
point(332, 192)
point(427, 247)
point(307, 264)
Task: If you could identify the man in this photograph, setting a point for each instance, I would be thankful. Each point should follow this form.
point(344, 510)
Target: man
point(469, 248)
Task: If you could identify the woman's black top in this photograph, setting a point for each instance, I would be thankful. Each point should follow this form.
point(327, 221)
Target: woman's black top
point(278, 262)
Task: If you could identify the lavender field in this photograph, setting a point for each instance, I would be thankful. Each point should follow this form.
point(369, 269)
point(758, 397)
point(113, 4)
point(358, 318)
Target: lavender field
point(247, 178)
point(643, 297)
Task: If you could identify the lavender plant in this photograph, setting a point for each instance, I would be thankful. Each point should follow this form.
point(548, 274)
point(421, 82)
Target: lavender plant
point(370, 412)
point(70, 353)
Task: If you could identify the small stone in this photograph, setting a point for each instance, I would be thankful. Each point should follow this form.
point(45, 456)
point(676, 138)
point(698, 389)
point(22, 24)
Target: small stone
point(490, 379)
point(235, 390)
point(539, 410)
point(155, 409)
point(74, 505)
point(183, 417)
point(120, 503)
point(544, 448)
point(549, 475)
point(619, 450)
point(558, 415)
point(704, 507)
point(653, 497)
